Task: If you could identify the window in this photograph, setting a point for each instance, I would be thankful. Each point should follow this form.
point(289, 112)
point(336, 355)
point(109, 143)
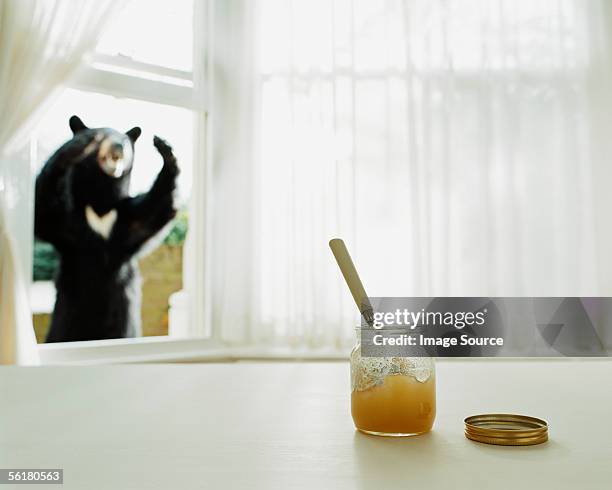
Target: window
point(147, 81)
point(424, 133)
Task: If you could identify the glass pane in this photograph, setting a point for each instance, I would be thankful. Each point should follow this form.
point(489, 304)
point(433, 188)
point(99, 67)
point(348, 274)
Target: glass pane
point(161, 269)
point(174, 124)
point(164, 34)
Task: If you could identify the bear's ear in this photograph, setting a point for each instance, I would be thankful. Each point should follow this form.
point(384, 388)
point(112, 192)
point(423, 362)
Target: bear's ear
point(134, 133)
point(76, 124)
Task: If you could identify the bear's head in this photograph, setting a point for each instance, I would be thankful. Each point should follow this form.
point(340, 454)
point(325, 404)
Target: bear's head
point(102, 164)
point(109, 150)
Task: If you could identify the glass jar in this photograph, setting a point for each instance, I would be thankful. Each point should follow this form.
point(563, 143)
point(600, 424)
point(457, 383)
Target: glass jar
point(392, 396)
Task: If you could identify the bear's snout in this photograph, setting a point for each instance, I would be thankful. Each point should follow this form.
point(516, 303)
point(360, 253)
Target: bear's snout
point(115, 156)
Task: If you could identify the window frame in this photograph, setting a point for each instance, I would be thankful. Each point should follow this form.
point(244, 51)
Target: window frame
point(104, 75)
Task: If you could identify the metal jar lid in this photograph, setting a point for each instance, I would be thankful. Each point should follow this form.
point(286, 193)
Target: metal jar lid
point(504, 429)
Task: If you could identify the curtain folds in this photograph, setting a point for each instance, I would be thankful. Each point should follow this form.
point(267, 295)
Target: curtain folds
point(457, 146)
point(41, 45)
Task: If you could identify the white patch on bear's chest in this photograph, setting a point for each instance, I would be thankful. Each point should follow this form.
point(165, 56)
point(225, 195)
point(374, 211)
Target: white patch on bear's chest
point(102, 225)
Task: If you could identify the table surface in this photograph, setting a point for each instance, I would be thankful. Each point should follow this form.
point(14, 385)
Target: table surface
point(287, 425)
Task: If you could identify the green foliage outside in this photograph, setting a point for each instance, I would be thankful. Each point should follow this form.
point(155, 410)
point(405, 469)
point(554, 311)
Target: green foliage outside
point(178, 232)
point(46, 260)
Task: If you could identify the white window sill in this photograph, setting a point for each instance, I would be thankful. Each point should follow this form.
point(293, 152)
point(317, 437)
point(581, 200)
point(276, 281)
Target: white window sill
point(168, 349)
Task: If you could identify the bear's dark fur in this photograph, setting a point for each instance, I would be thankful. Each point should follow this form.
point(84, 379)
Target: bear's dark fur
point(83, 208)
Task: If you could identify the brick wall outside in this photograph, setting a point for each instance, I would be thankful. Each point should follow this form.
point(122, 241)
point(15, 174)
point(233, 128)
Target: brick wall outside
point(162, 275)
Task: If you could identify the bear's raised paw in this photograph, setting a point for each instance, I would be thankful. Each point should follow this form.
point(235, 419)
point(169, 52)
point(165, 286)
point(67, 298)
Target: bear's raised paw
point(162, 146)
point(165, 150)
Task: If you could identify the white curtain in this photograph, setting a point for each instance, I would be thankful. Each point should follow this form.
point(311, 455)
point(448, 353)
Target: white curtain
point(460, 147)
point(41, 45)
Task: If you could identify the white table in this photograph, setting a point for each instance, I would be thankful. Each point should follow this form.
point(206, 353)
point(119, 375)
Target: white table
point(288, 425)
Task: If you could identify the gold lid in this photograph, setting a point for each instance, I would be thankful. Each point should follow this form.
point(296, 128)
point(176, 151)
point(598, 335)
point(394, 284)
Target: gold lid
point(506, 429)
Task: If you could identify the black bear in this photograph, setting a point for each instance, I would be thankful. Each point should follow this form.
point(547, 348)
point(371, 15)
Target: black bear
point(83, 209)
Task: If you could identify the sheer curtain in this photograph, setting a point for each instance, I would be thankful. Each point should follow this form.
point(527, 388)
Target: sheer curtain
point(460, 147)
point(41, 44)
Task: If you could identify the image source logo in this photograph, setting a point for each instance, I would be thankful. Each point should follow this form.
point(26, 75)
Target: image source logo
point(487, 327)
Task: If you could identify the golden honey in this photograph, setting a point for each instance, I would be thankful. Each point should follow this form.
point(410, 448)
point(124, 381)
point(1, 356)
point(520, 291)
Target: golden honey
point(401, 405)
